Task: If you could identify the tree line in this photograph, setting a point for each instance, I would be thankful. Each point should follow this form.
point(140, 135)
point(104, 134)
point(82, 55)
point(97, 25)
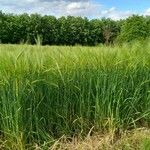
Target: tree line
point(71, 30)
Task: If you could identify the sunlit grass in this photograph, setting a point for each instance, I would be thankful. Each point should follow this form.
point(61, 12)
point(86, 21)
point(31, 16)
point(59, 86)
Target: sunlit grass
point(47, 92)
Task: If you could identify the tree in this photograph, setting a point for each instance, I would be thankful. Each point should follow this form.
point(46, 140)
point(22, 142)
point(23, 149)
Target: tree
point(96, 34)
point(7, 28)
point(63, 31)
point(71, 30)
point(35, 27)
point(23, 28)
point(77, 30)
point(134, 28)
point(148, 25)
point(49, 25)
point(110, 30)
point(1, 25)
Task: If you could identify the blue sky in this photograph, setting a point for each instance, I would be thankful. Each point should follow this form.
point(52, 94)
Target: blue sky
point(115, 9)
point(136, 5)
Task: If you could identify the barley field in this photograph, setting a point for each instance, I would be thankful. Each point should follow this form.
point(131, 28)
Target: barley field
point(47, 92)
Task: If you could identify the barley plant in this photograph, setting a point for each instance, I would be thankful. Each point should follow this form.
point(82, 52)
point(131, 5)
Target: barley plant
point(50, 91)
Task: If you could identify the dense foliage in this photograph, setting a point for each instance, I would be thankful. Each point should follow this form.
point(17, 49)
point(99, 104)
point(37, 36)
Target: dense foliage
point(135, 27)
point(70, 30)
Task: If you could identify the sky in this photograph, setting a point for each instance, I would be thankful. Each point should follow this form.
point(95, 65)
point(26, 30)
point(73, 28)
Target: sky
point(114, 9)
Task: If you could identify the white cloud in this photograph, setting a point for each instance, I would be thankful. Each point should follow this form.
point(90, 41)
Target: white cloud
point(147, 12)
point(115, 14)
point(51, 7)
point(87, 8)
point(75, 5)
point(31, 1)
point(82, 9)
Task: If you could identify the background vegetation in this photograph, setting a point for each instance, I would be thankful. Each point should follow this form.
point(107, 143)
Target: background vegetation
point(47, 92)
point(71, 30)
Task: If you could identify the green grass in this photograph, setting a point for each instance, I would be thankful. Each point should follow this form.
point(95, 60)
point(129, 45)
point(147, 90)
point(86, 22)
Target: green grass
point(47, 92)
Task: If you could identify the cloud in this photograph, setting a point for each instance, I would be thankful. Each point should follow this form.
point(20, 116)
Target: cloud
point(147, 12)
point(64, 0)
point(51, 7)
point(115, 14)
point(58, 8)
point(82, 9)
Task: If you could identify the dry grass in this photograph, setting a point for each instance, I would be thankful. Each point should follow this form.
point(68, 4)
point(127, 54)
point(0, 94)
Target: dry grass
point(138, 139)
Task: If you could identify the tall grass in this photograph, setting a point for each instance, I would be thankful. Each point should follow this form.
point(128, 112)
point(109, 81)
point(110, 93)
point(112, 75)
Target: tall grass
point(46, 92)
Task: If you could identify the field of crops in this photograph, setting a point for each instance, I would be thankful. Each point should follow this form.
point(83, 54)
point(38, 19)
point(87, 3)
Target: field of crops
point(50, 91)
